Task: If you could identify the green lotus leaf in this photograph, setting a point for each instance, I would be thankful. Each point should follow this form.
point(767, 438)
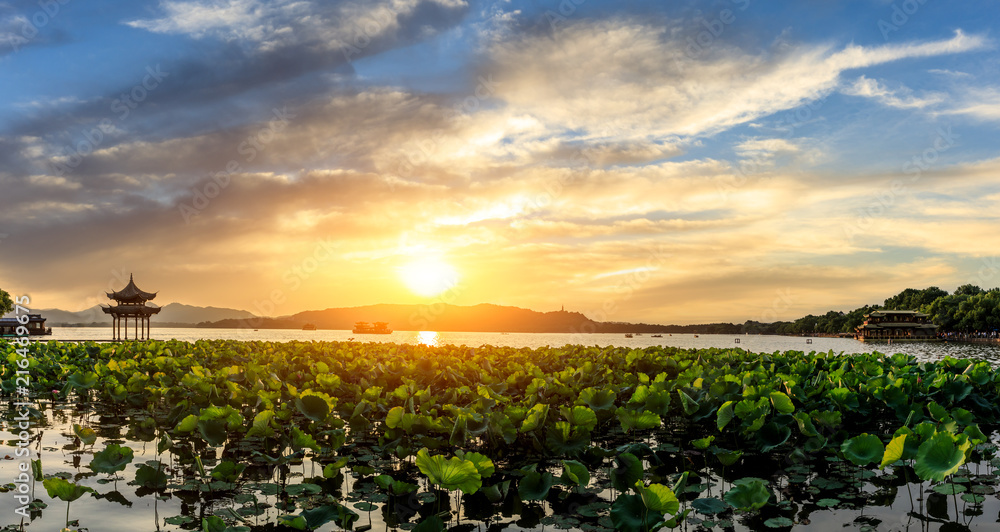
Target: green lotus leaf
point(772, 435)
point(164, 443)
point(313, 407)
point(534, 486)
point(938, 412)
point(581, 416)
point(564, 439)
point(725, 415)
point(975, 435)
point(689, 404)
point(86, 434)
point(331, 469)
point(213, 523)
point(150, 477)
point(450, 474)
point(627, 471)
point(301, 440)
point(748, 494)
point(710, 505)
point(894, 451)
point(292, 521)
point(828, 418)
point(187, 424)
point(728, 458)
point(782, 403)
point(658, 403)
point(262, 424)
point(112, 459)
point(938, 457)
point(394, 417)
point(950, 488)
point(863, 449)
point(703, 443)
point(534, 418)
point(632, 420)
point(779, 522)
point(430, 524)
point(598, 400)
point(227, 471)
point(658, 498)
point(317, 517)
point(806, 426)
point(575, 473)
point(482, 462)
point(84, 380)
point(213, 432)
point(629, 514)
point(64, 490)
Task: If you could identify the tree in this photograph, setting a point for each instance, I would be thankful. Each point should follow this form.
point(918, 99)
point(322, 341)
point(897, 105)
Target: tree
point(968, 290)
point(911, 298)
point(6, 303)
point(944, 311)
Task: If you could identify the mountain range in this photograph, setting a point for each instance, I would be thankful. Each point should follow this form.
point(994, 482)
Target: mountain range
point(171, 315)
point(437, 317)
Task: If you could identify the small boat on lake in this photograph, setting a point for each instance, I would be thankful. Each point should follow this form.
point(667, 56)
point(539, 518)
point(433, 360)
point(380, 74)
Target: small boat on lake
point(628, 335)
point(309, 327)
point(657, 336)
point(379, 327)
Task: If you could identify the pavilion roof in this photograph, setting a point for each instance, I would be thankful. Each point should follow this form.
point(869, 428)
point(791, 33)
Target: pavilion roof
point(131, 310)
point(131, 293)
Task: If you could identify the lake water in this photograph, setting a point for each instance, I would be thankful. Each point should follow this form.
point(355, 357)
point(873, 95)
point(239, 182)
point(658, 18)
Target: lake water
point(760, 344)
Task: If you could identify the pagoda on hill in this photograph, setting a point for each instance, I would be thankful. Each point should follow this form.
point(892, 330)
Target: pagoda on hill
point(131, 305)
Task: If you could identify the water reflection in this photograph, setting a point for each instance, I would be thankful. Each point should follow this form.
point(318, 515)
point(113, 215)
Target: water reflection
point(428, 338)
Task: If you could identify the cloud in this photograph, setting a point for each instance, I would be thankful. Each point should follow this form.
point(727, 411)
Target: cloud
point(265, 26)
point(903, 99)
point(981, 104)
point(622, 78)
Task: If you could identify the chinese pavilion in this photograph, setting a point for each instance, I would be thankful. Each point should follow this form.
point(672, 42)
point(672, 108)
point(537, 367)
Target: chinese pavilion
point(131, 305)
point(896, 325)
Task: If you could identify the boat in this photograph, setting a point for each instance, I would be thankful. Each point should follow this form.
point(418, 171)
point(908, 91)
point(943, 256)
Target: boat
point(657, 336)
point(696, 336)
point(379, 327)
point(308, 327)
point(35, 326)
point(628, 335)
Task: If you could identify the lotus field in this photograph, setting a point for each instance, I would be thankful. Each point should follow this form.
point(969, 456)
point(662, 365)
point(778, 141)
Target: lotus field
point(254, 436)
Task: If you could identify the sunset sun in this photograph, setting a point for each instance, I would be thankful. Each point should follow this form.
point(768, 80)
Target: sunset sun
point(428, 277)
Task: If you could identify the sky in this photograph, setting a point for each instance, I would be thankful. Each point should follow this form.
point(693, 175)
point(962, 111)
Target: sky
point(660, 162)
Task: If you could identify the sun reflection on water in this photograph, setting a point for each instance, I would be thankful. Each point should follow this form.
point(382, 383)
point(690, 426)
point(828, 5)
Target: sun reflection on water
point(428, 338)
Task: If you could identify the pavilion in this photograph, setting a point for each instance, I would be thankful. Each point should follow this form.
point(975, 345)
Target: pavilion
point(131, 305)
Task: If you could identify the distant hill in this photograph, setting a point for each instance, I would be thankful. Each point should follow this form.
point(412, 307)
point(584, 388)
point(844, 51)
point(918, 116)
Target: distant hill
point(478, 318)
point(172, 315)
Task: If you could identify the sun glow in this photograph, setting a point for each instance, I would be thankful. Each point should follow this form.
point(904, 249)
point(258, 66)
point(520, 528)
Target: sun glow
point(428, 276)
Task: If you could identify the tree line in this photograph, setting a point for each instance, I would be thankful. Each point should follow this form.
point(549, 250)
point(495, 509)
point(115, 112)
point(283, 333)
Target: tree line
point(970, 309)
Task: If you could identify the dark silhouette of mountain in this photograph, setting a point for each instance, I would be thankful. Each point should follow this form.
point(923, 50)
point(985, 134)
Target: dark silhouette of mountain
point(454, 318)
point(171, 315)
point(438, 317)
